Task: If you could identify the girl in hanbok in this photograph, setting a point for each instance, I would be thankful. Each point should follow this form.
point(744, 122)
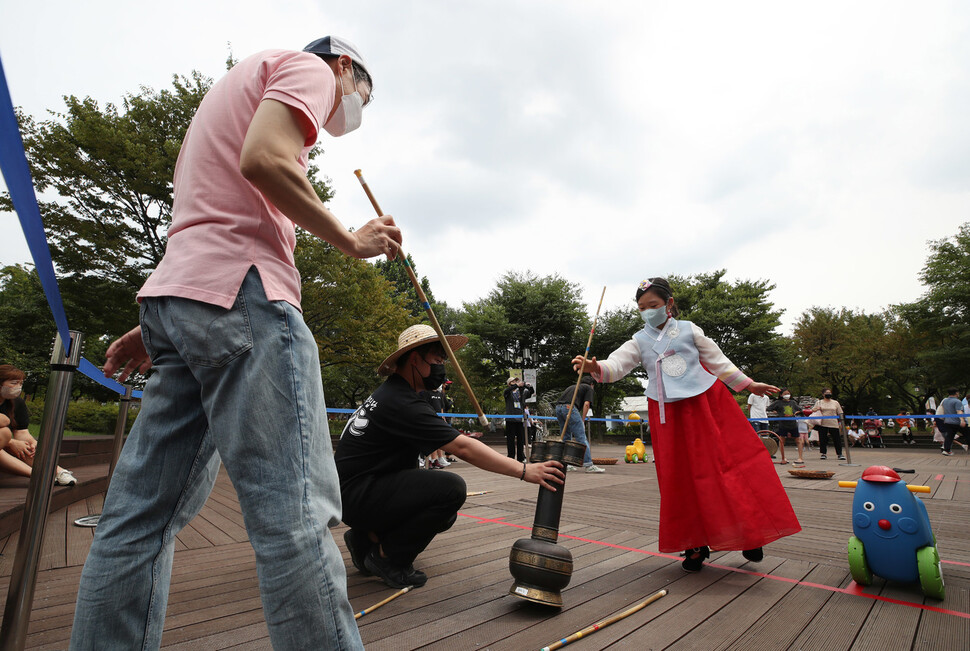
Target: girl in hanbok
point(718, 486)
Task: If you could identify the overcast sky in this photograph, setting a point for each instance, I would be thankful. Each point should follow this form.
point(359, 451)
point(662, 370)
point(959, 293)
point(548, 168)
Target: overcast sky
point(818, 145)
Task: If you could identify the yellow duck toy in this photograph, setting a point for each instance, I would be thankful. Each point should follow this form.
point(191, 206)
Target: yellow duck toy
point(636, 453)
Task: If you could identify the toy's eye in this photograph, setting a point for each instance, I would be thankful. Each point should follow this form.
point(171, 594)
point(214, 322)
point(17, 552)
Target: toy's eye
point(895, 508)
point(869, 506)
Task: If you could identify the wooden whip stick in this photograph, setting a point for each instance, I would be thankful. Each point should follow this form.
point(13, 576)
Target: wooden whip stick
point(381, 603)
point(582, 367)
point(603, 624)
point(427, 308)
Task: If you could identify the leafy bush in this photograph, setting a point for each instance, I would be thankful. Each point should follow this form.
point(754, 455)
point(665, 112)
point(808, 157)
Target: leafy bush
point(86, 415)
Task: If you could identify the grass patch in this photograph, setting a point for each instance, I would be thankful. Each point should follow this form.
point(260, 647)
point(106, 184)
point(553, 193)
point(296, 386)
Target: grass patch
point(34, 429)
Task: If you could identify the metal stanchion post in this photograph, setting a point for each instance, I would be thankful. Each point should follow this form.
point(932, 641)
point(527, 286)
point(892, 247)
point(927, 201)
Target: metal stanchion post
point(120, 430)
point(124, 402)
point(23, 579)
point(845, 444)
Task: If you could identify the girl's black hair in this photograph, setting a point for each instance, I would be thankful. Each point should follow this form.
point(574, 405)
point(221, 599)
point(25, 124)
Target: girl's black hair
point(661, 288)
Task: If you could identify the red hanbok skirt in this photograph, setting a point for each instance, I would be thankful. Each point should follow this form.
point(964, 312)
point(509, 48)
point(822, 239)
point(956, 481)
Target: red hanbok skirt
point(718, 485)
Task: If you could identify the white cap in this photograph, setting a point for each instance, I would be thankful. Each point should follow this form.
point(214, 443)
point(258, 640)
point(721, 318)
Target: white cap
point(336, 46)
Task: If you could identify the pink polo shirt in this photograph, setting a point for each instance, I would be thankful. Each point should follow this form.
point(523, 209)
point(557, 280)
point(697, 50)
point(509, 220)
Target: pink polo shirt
point(221, 224)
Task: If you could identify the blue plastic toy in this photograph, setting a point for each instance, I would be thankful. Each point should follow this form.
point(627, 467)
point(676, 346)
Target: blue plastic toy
point(893, 538)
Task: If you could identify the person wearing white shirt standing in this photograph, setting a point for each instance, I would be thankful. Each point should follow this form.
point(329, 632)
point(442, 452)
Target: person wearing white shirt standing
point(758, 411)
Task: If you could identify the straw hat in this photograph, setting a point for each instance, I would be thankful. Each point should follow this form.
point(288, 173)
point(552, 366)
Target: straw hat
point(416, 335)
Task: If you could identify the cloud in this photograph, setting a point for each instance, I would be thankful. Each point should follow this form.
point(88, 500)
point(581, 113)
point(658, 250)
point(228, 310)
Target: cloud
point(818, 146)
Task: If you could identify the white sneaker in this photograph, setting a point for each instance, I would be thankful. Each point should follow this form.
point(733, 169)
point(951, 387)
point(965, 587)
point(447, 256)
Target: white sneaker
point(594, 469)
point(570, 468)
point(65, 478)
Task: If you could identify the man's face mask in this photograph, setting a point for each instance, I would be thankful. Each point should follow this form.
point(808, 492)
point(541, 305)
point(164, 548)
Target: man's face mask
point(348, 115)
point(436, 378)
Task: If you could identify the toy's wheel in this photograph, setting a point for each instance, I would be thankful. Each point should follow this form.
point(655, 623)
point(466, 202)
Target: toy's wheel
point(858, 566)
point(930, 572)
point(636, 458)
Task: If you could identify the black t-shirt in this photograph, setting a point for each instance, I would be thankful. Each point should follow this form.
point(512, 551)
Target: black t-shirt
point(584, 395)
point(387, 433)
point(436, 399)
point(515, 397)
point(20, 416)
point(785, 408)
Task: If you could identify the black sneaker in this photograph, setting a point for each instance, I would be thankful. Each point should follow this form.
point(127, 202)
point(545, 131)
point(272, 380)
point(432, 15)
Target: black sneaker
point(755, 555)
point(357, 554)
point(692, 564)
point(394, 575)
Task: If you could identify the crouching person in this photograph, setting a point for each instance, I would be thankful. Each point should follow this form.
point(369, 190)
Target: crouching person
point(395, 509)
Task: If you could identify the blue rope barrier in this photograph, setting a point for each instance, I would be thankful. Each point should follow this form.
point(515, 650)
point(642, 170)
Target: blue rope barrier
point(92, 372)
point(16, 174)
point(336, 410)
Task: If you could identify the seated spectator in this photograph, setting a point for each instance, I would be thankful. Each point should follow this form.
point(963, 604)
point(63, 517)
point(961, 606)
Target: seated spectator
point(905, 427)
point(857, 436)
point(17, 446)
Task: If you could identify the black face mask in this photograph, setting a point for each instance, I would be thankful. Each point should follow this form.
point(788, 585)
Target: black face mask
point(437, 377)
point(827, 396)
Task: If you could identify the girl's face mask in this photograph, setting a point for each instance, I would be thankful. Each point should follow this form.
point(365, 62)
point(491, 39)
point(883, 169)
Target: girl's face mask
point(654, 317)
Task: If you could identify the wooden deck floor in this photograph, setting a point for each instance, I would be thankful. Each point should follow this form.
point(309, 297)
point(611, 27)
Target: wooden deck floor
point(800, 597)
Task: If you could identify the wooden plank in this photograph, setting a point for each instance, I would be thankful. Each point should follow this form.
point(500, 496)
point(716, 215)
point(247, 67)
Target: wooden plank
point(838, 621)
point(78, 538)
point(944, 631)
point(214, 598)
point(791, 615)
point(54, 548)
point(891, 625)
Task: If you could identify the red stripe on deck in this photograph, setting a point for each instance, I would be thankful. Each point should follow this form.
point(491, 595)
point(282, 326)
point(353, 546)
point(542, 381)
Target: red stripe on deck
point(854, 589)
point(939, 478)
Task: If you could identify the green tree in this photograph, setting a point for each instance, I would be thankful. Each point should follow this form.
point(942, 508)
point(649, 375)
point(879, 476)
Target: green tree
point(26, 325)
point(615, 328)
point(859, 357)
point(396, 272)
point(524, 312)
point(738, 316)
point(940, 319)
point(353, 314)
point(111, 170)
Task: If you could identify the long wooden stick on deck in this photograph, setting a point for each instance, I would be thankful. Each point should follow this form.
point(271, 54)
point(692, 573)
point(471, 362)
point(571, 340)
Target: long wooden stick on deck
point(381, 603)
point(427, 308)
point(589, 630)
point(582, 367)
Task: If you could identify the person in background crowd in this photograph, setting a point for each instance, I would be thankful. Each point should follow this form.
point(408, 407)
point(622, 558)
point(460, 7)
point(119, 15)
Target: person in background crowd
point(786, 429)
point(574, 430)
point(804, 427)
point(905, 425)
point(758, 411)
point(17, 446)
point(831, 412)
point(952, 408)
point(855, 434)
point(515, 394)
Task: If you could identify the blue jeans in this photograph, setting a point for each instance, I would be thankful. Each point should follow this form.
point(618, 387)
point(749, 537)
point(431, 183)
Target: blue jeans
point(574, 430)
point(242, 385)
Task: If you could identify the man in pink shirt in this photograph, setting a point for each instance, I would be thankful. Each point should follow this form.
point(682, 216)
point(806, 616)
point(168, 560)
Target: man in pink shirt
point(236, 371)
